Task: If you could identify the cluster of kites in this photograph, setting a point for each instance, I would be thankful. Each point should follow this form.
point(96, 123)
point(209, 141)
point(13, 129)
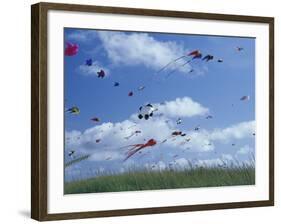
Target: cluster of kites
point(148, 110)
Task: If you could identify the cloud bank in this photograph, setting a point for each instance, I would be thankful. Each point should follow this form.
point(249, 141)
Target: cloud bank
point(107, 140)
point(140, 49)
point(182, 107)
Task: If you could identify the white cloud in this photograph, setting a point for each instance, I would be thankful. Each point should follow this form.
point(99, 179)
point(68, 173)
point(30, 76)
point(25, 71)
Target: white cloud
point(205, 140)
point(82, 35)
point(182, 163)
point(141, 49)
point(106, 155)
point(246, 149)
point(92, 70)
point(237, 131)
point(209, 162)
point(182, 107)
point(112, 137)
point(159, 166)
point(227, 157)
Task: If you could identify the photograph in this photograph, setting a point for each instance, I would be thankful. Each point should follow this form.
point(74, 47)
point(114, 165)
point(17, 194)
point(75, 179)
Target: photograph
point(157, 111)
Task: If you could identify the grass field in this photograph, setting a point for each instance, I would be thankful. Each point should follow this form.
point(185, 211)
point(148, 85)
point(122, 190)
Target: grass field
point(166, 179)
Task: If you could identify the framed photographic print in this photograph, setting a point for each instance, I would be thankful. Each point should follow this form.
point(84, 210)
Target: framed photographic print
point(139, 111)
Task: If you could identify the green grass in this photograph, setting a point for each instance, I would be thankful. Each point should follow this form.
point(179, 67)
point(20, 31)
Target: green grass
point(167, 179)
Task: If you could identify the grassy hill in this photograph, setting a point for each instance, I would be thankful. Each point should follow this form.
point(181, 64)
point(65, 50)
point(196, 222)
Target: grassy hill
point(166, 179)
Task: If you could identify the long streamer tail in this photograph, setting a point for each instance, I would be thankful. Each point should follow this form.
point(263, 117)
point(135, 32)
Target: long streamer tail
point(171, 62)
point(131, 153)
point(170, 73)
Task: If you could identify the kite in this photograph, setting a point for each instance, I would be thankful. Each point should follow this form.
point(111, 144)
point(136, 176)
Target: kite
point(116, 84)
point(245, 98)
point(177, 133)
point(141, 88)
point(71, 153)
point(179, 121)
point(197, 128)
point(209, 117)
point(95, 119)
point(137, 147)
point(79, 159)
point(239, 48)
point(233, 144)
point(208, 58)
point(191, 70)
point(146, 111)
point(130, 93)
point(71, 49)
point(101, 74)
point(89, 62)
point(220, 60)
point(73, 110)
point(134, 133)
point(98, 140)
point(195, 54)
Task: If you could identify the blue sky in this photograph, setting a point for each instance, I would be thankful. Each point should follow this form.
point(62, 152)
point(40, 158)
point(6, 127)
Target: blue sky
point(133, 59)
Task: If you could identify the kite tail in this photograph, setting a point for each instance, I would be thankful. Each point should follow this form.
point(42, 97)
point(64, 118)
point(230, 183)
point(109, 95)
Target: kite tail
point(177, 68)
point(130, 153)
point(170, 63)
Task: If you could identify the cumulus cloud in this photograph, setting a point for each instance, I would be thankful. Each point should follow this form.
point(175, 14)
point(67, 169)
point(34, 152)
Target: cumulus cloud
point(181, 163)
point(140, 49)
point(107, 140)
point(82, 35)
point(227, 157)
point(92, 70)
point(159, 166)
point(246, 149)
point(205, 140)
point(237, 131)
point(114, 136)
point(182, 107)
point(209, 162)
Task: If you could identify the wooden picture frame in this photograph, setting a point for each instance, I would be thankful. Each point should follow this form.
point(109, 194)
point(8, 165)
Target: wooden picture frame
point(39, 109)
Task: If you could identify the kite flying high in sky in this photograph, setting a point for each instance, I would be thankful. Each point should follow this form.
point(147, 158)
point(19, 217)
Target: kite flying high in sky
point(208, 57)
point(73, 110)
point(116, 84)
point(101, 74)
point(114, 87)
point(89, 62)
point(95, 119)
point(137, 147)
point(71, 49)
point(146, 111)
point(195, 54)
point(245, 98)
